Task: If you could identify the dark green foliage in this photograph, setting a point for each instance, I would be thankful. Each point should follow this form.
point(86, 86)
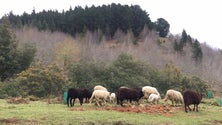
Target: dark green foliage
point(8, 51)
point(194, 83)
point(107, 18)
point(15, 20)
point(171, 78)
point(125, 71)
point(196, 48)
point(86, 74)
point(38, 80)
point(10, 89)
point(42, 81)
point(12, 60)
point(162, 26)
point(197, 51)
point(184, 38)
point(179, 45)
point(25, 56)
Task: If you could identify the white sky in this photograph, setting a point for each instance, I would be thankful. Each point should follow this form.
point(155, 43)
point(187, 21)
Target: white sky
point(200, 18)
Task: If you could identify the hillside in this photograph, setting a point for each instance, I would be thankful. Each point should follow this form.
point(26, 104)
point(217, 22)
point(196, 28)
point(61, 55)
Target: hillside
point(150, 48)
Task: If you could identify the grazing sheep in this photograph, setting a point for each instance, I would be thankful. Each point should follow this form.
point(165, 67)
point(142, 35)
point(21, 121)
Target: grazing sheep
point(191, 97)
point(73, 94)
point(87, 94)
point(154, 98)
point(174, 96)
point(99, 87)
point(112, 97)
point(125, 93)
point(147, 90)
point(99, 94)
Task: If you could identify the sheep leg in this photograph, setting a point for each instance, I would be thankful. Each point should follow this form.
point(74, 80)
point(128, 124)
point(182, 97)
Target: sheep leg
point(73, 102)
point(121, 102)
point(185, 107)
point(117, 101)
point(138, 102)
point(86, 100)
point(91, 99)
point(172, 102)
point(81, 101)
point(189, 107)
point(97, 102)
point(157, 101)
point(196, 107)
point(67, 100)
point(104, 101)
point(176, 103)
point(70, 102)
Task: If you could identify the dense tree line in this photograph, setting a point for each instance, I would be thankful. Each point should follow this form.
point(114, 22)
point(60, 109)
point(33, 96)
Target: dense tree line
point(107, 18)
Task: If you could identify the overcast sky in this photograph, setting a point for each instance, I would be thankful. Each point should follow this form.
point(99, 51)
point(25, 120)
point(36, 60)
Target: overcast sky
point(202, 19)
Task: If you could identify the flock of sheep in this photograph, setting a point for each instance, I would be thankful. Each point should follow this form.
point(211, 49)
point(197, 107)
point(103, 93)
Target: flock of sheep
point(101, 95)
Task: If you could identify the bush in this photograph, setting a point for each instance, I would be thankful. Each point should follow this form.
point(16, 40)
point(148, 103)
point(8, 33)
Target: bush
point(10, 88)
point(41, 81)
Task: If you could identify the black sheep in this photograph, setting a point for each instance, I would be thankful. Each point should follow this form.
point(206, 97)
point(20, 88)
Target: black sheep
point(74, 93)
point(125, 93)
point(87, 94)
point(191, 97)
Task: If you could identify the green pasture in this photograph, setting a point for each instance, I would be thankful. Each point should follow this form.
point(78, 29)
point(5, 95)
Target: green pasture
point(42, 113)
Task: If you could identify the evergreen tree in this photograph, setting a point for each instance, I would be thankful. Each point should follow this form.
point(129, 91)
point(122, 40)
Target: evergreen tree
point(162, 26)
point(25, 56)
point(8, 51)
point(12, 60)
point(184, 38)
point(178, 46)
point(197, 51)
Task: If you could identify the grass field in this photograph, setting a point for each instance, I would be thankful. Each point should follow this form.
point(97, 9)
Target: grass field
point(42, 113)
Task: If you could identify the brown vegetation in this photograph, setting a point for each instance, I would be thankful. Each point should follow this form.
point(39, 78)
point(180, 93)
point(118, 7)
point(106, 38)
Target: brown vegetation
point(17, 100)
point(166, 110)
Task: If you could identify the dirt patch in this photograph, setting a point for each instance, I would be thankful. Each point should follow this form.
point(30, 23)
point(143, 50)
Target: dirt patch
point(215, 122)
point(17, 121)
point(9, 121)
point(166, 110)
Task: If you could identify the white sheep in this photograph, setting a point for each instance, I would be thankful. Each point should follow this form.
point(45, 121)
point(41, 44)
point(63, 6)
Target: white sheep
point(99, 95)
point(112, 97)
point(147, 90)
point(174, 95)
point(99, 87)
point(154, 98)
